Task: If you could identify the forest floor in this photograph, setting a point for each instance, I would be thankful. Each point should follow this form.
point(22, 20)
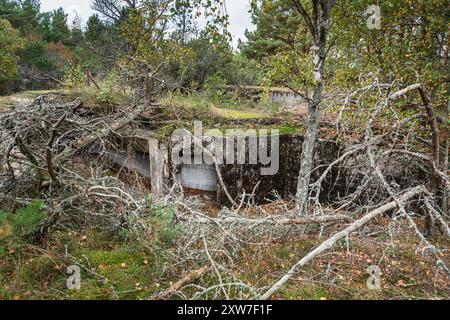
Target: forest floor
point(117, 268)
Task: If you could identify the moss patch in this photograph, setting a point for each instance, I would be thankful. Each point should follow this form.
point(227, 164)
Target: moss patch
point(239, 114)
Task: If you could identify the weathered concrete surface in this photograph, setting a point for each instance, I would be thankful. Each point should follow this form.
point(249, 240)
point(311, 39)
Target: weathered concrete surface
point(238, 178)
point(136, 161)
point(199, 177)
point(280, 95)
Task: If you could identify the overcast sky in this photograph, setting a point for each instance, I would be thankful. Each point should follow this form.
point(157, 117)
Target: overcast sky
point(237, 9)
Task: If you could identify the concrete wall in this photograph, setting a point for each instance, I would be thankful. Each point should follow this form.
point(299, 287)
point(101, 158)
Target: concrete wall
point(279, 95)
point(199, 177)
point(238, 178)
point(283, 97)
point(341, 181)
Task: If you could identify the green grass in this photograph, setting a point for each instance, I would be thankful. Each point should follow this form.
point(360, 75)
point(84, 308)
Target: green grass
point(188, 106)
point(288, 128)
point(107, 97)
point(110, 269)
point(304, 291)
point(239, 114)
point(122, 273)
point(203, 107)
point(115, 268)
point(114, 265)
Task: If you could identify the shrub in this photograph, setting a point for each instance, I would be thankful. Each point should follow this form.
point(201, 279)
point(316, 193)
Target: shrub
point(74, 77)
point(109, 92)
point(163, 230)
point(18, 227)
point(10, 43)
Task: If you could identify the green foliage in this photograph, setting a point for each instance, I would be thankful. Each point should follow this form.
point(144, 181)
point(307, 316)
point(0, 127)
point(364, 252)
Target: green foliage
point(182, 15)
point(410, 47)
point(204, 58)
point(10, 10)
point(34, 54)
point(106, 92)
point(148, 49)
point(26, 220)
point(109, 92)
point(23, 15)
point(278, 29)
point(19, 226)
point(46, 35)
point(95, 29)
point(10, 44)
point(163, 229)
point(59, 26)
point(101, 40)
point(179, 62)
point(242, 71)
point(281, 43)
point(74, 77)
point(215, 87)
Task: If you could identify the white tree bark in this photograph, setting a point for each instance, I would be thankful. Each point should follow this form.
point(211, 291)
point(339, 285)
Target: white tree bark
point(318, 24)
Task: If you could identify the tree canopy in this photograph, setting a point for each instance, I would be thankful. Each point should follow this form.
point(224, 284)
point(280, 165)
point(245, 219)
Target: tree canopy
point(11, 43)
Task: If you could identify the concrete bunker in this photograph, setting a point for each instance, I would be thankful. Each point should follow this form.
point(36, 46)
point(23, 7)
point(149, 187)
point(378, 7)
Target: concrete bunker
point(150, 157)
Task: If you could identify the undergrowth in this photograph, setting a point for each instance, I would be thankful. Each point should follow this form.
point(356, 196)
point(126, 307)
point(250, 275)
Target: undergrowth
point(118, 267)
point(19, 227)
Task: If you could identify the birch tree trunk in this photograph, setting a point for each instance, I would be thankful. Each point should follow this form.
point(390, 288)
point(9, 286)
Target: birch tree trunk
point(445, 196)
point(318, 24)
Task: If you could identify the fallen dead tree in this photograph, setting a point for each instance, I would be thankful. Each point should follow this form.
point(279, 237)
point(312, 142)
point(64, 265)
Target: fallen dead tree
point(399, 149)
point(181, 283)
point(273, 220)
point(371, 150)
point(46, 151)
point(400, 201)
point(228, 234)
point(102, 133)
